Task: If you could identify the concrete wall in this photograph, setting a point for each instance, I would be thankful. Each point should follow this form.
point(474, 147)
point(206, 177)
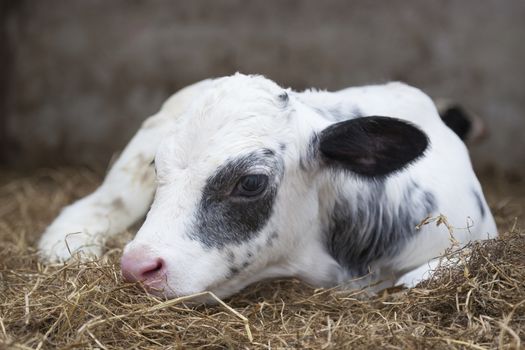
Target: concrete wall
point(84, 74)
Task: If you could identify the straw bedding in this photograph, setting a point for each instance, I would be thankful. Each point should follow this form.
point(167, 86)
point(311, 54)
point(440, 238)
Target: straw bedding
point(478, 305)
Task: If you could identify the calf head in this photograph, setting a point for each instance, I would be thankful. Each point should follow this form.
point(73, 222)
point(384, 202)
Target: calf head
point(238, 183)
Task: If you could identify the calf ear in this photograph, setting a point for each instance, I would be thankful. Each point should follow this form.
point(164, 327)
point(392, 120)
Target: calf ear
point(372, 146)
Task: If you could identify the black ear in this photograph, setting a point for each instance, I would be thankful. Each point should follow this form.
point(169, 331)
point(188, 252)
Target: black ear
point(456, 118)
point(372, 146)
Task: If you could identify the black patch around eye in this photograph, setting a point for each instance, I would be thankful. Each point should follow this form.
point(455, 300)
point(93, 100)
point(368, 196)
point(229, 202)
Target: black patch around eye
point(223, 219)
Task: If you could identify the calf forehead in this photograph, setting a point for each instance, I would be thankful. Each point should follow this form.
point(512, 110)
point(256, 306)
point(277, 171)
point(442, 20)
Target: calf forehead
point(235, 98)
point(204, 153)
point(218, 128)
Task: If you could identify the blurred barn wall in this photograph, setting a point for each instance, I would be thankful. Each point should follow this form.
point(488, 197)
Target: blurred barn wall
point(78, 77)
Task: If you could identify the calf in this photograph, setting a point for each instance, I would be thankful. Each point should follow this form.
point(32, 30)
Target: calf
point(247, 181)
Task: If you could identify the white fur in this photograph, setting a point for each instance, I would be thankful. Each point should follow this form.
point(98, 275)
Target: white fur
point(204, 125)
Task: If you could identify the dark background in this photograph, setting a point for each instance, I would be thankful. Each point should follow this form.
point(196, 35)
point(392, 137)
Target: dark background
point(77, 77)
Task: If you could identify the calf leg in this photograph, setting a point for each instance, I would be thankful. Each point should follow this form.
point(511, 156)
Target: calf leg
point(124, 196)
point(425, 271)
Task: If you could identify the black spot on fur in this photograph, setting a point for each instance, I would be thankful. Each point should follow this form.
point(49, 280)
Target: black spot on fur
point(369, 226)
point(271, 238)
point(372, 146)
point(283, 97)
point(233, 271)
point(222, 219)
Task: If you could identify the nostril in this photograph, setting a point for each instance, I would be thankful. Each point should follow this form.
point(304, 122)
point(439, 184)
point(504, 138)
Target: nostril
point(153, 270)
point(141, 268)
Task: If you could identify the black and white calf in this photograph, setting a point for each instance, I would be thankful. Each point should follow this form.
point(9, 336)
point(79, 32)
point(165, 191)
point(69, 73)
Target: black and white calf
point(247, 180)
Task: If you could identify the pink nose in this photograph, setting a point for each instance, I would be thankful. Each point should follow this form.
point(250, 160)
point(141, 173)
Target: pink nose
point(141, 265)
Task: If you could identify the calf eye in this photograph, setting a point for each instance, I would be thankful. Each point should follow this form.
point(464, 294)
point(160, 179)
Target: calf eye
point(250, 185)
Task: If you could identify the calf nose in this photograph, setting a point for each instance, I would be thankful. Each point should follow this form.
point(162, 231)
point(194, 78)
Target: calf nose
point(140, 265)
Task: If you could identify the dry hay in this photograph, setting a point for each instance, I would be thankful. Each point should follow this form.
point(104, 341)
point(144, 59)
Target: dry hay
point(85, 305)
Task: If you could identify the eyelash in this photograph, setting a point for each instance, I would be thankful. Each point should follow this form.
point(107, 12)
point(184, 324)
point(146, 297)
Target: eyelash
point(242, 189)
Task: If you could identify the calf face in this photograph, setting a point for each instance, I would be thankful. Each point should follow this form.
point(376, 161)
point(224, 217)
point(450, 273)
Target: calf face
point(238, 194)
